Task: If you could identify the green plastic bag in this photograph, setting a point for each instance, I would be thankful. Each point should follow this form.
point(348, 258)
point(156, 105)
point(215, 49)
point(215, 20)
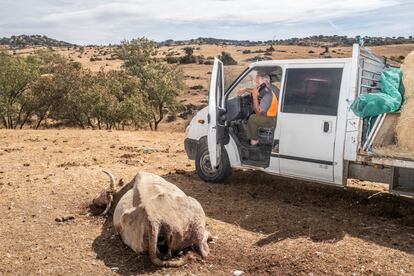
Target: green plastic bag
point(388, 100)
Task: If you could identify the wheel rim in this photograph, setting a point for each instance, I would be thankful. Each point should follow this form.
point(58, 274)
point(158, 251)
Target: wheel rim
point(206, 167)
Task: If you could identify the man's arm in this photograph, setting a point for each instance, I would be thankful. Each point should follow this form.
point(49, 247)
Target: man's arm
point(244, 90)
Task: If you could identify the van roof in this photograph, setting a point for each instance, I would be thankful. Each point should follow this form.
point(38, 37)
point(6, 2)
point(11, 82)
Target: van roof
point(299, 61)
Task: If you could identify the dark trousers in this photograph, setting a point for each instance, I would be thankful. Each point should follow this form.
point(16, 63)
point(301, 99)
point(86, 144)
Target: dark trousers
point(256, 121)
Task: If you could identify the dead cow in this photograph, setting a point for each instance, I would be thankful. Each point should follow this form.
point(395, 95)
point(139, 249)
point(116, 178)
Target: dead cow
point(155, 217)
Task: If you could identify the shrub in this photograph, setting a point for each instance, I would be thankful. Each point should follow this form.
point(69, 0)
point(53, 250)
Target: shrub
point(227, 59)
point(189, 57)
point(197, 87)
point(93, 58)
point(172, 60)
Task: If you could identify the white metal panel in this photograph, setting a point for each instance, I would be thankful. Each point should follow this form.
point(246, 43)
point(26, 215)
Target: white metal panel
point(353, 81)
point(307, 170)
point(352, 125)
point(233, 153)
point(300, 63)
point(214, 149)
point(341, 123)
point(195, 129)
point(302, 136)
point(351, 145)
point(273, 165)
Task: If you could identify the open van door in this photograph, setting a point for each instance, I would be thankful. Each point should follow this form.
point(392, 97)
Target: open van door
point(216, 127)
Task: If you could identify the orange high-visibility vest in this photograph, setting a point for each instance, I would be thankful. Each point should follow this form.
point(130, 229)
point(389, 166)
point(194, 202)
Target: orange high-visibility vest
point(272, 111)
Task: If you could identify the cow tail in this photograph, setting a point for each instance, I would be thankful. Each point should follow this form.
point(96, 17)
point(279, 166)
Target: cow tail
point(153, 250)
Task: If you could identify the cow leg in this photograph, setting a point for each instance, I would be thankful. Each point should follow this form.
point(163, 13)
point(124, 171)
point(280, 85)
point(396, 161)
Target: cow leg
point(170, 245)
point(153, 237)
point(202, 245)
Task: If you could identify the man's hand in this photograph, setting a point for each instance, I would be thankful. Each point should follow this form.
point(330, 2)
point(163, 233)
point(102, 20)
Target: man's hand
point(244, 90)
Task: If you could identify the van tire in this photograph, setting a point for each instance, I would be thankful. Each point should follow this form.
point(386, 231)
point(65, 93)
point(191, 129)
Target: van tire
point(204, 171)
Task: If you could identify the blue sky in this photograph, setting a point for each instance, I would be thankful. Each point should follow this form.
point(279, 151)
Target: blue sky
point(103, 21)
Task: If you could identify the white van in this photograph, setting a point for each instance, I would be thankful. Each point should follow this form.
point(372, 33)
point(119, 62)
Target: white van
point(317, 137)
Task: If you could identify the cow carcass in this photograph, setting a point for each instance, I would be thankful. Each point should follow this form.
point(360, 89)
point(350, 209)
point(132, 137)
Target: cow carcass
point(153, 216)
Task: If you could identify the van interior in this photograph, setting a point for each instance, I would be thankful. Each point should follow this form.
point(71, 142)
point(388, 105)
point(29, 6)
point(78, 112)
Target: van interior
point(239, 108)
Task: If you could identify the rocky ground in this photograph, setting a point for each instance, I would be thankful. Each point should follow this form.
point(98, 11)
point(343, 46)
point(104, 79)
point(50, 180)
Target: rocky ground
point(264, 224)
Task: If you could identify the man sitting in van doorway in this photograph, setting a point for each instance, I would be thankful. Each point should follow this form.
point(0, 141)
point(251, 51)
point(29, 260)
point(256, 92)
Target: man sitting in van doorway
point(265, 104)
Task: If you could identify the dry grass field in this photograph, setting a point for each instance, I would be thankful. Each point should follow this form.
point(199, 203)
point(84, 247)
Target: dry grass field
point(265, 224)
point(195, 74)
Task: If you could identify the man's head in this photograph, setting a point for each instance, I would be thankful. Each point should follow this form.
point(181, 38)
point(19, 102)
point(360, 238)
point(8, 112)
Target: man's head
point(262, 77)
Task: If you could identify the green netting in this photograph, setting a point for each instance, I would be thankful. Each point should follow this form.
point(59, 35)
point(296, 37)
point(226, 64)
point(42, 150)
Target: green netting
point(388, 100)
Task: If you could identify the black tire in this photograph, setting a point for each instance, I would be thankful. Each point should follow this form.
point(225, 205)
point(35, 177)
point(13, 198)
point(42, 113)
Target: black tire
point(203, 167)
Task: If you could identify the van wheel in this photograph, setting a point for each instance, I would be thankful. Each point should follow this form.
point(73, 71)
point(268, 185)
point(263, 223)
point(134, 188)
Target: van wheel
point(203, 165)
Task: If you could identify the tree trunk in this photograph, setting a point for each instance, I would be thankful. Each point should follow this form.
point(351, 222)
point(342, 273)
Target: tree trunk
point(25, 119)
point(5, 122)
point(90, 123)
point(81, 124)
point(40, 120)
point(38, 123)
point(19, 117)
point(10, 121)
point(161, 116)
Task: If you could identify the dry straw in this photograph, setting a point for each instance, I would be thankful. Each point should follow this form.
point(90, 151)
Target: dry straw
point(405, 125)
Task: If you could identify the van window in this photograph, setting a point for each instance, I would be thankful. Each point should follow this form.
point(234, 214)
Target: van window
point(274, 72)
point(312, 91)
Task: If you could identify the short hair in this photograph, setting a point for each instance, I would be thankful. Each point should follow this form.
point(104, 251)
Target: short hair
point(264, 76)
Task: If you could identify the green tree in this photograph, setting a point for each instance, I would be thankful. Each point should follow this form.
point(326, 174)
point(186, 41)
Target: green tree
point(47, 92)
point(16, 75)
point(163, 83)
point(159, 82)
point(137, 53)
point(189, 51)
point(189, 57)
point(78, 100)
point(119, 102)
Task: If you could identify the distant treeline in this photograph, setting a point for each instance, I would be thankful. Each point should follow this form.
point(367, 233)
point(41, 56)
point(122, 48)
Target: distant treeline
point(47, 89)
point(317, 40)
point(21, 41)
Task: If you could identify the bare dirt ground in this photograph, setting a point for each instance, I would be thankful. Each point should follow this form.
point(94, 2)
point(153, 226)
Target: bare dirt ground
point(265, 224)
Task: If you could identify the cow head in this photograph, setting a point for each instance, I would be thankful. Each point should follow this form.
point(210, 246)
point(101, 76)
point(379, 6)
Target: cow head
point(102, 202)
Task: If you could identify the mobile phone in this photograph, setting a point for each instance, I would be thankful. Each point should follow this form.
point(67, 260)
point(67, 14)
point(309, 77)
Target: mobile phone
point(261, 86)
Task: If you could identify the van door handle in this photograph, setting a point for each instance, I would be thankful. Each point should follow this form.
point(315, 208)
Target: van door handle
point(326, 127)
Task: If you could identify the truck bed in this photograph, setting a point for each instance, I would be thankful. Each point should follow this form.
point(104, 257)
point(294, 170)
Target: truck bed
point(378, 136)
point(378, 156)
